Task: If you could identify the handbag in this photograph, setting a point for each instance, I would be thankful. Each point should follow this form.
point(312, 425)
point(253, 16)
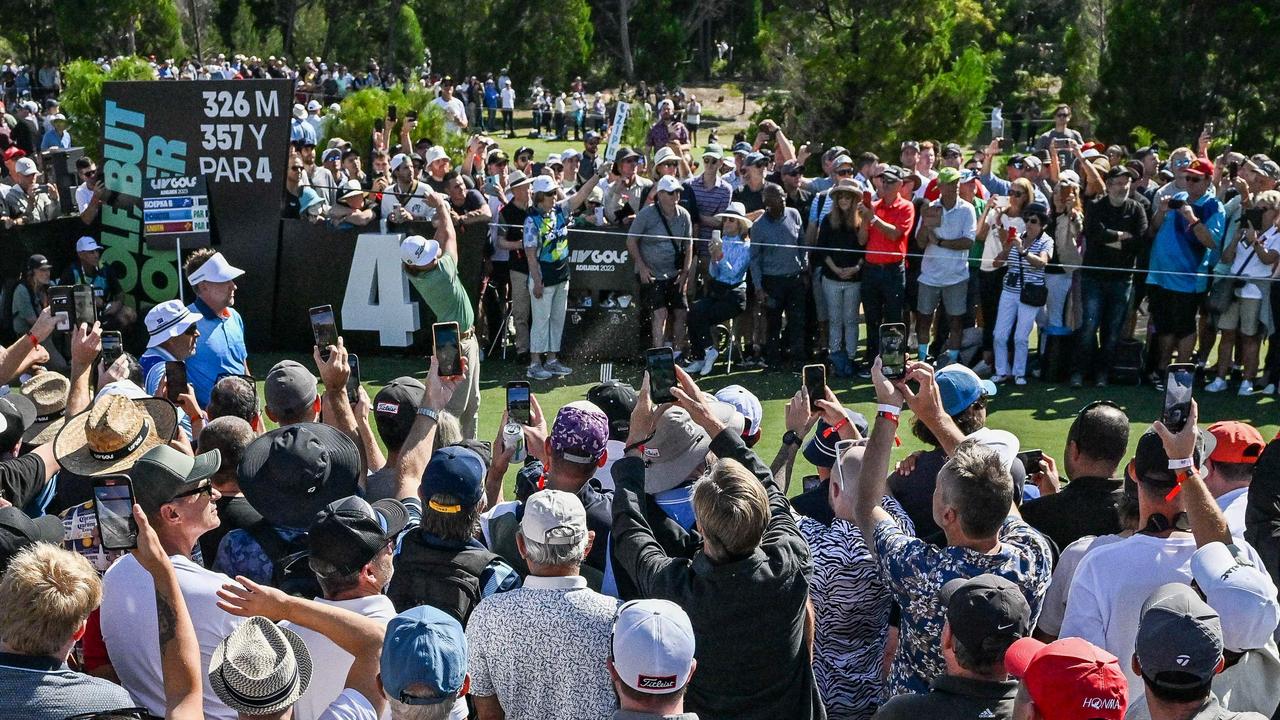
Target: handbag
point(1032, 295)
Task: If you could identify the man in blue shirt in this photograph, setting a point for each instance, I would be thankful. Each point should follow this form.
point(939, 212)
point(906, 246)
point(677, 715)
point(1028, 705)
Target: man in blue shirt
point(220, 348)
point(1187, 227)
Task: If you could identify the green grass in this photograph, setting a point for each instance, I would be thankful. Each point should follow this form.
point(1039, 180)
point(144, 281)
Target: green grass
point(1039, 414)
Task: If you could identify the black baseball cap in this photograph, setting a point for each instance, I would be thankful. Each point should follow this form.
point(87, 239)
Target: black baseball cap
point(18, 530)
point(38, 261)
point(164, 474)
point(17, 414)
point(1120, 171)
point(1151, 462)
point(617, 400)
point(986, 611)
point(349, 532)
point(395, 407)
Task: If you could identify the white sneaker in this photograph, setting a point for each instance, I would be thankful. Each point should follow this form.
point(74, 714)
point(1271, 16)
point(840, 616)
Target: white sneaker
point(1218, 385)
point(997, 379)
point(694, 367)
point(1246, 389)
point(537, 372)
point(1019, 381)
point(555, 367)
point(1270, 389)
point(708, 361)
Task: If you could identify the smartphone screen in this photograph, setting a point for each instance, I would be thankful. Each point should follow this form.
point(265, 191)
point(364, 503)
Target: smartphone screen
point(518, 401)
point(1031, 460)
point(113, 507)
point(1253, 216)
point(815, 382)
point(1177, 395)
point(661, 364)
point(893, 356)
point(1176, 203)
point(60, 305)
point(353, 380)
point(392, 113)
point(446, 348)
point(175, 379)
point(112, 347)
point(85, 310)
point(324, 328)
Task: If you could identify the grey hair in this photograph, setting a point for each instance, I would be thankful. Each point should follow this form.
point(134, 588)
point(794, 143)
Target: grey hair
point(448, 430)
point(401, 711)
point(537, 553)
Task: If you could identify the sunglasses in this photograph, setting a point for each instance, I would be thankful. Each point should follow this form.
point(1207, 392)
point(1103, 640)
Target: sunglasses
point(1031, 220)
point(843, 172)
point(297, 168)
point(1197, 178)
point(1064, 115)
point(952, 154)
point(798, 173)
point(205, 487)
point(89, 173)
point(1181, 162)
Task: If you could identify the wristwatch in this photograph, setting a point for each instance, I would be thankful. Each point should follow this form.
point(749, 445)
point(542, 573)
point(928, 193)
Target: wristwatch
point(429, 412)
point(791, 438)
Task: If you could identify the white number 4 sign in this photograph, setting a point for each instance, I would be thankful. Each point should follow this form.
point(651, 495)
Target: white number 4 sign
point(377, 297)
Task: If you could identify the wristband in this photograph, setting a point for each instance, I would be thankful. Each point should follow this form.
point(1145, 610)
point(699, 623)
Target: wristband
point(1181, 477)
point(889, 409)
point(1193, 223)
point(888, 416)
point(836, 428)
point(35, 341)
point(1180, 464)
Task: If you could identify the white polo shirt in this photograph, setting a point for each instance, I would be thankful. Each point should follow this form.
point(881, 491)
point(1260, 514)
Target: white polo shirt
point(330, 663)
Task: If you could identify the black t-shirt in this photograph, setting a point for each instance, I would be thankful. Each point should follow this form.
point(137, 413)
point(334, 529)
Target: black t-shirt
point(915, 491)
point(21, 479)
point(234, 513)
point(1085, 506)
point(436, 185)
point(473, 200)
point(513, 217)
point(752, 200)
point(292, 205)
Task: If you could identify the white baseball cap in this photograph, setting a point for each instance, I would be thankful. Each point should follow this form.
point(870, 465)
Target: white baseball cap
point(434, 153)
point(653, 646)
point(168, 320)
point(398, 160)
point(418, 251)
point(544, 184)
point(299, 111)
point(1242, 594)
point(87, 244)
point(313, 106)
point(669, 183)
point(26, 166)
point(1003, 442)
point(554, 159)
point(745, 403)
point(554, 517)
point(215, 269)
point(569, 154)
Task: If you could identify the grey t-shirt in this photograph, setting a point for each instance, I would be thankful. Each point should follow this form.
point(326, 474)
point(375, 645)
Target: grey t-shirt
point(659, 250)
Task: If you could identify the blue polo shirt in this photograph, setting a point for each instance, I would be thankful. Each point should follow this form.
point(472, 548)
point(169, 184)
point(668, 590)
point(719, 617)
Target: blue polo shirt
point(1177, 250)
point(219, 350)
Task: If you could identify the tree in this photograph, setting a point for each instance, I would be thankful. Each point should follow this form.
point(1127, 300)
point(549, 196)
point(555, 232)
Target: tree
point(406, 40)
point(81, 98)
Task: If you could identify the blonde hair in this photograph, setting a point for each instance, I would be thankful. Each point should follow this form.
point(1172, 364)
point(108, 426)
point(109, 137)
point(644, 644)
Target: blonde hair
point(1268, 198)
point(48, 594)
point(732, 507)
point(1028, 197)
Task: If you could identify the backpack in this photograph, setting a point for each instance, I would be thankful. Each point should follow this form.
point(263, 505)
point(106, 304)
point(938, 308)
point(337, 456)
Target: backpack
point(444, 578)
point(290, 561)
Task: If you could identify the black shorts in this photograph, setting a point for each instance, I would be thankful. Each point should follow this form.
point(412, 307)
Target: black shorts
point(1174, 313)
point(663, 295)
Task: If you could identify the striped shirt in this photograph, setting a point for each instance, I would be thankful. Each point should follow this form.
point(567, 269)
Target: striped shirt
point(709, 200)
point(1019, 268)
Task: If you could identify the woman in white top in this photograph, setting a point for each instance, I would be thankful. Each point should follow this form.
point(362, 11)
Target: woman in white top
point(1002, 214)
point(1253, 259)
point(1067, 228)
point(1025, 256)
point(693, 118)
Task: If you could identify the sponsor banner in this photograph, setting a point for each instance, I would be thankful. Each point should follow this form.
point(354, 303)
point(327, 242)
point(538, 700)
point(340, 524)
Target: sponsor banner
point(600, 261)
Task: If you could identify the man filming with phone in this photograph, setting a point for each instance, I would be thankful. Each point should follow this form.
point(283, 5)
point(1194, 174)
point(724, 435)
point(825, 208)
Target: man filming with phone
point(432, 267)
point(28, 200)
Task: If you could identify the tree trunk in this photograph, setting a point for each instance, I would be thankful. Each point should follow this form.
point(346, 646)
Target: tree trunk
point(624, 39)
point(131, 43)
point(390, 51)
point(290, 17)
point(195, 25)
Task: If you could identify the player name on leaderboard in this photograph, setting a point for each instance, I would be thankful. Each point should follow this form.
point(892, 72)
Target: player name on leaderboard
point(161, 216)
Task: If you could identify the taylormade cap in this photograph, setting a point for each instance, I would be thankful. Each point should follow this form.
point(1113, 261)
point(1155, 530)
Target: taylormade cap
point(653, 646)
point(1179, 641)
point(1242, 594)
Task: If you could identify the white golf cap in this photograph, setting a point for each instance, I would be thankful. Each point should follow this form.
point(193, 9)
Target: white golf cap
point(745, 403)
point(669, 183)
point(569, 154)
point(335, 108)
point(299, 111)
point(313, 106)
point(398, 160)
point(1242, 594)
point(434, 153)
point(418, 251)
point(215, 269)
point(554, 517)
point(26, 166)
point(87, 244)
point(653, 646)
point(554, 159)
point(544, 184)
point(1003, 442)
point(168, 320)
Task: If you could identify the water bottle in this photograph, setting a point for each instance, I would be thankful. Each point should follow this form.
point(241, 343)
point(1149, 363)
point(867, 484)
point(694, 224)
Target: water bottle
point(513, 439)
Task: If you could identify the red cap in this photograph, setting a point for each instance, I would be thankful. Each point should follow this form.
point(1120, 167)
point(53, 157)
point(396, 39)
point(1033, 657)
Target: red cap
point(1094, 145)
point(1069, 679)
point(1237, 442)
point(13, 152)
point(1199, 166)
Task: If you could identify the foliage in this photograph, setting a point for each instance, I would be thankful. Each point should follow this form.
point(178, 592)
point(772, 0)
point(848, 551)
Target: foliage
point(408, 39)
point(361, 109)
point(81, 98)
point(48, 30)
point(246, 38)
point(309, 31)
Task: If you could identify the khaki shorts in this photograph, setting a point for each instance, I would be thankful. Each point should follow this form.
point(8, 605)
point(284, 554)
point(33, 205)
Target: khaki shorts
point(954, 299)
point(1241, 315)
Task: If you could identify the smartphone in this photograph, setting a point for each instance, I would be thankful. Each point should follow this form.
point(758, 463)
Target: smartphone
point(1010, 234)
point(866, 198)
point(411, 115)
point(1208, 128)
point(379, 125)
point(1031, 460)
point(447, 352)
point(60, 306)
point(175, 379)
point(113, 509)
point(324, 328)
point(893, 356)
point(353, 380)
point(661, 364)
point(1176, 203)
point(112, 347)
point(518, 401)
point(1177, 395)
point(810, 482)
point(815, 382)
point(392, 114)
point(1233, 169)
point(84, 308)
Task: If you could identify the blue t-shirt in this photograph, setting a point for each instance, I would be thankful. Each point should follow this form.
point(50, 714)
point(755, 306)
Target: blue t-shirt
point(1177, 250)
point(220, 349)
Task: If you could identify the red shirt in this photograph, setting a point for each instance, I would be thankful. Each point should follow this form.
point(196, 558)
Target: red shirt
point(881, 249)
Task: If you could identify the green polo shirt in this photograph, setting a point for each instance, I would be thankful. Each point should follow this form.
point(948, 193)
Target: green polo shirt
point(444, 293)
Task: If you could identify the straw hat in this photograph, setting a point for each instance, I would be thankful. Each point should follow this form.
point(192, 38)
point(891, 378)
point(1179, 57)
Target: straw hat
point(260, 668)
point(48, 392)
point(113, 433)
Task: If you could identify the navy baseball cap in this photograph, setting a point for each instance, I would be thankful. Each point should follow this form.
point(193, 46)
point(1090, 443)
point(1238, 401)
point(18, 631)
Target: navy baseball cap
point(456, 471)
point(425, 649)
point(742, 148)
point(961, 387)
point(821, 448)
